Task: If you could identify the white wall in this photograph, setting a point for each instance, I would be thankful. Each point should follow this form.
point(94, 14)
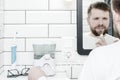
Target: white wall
point(38, 20)
point(1, 36)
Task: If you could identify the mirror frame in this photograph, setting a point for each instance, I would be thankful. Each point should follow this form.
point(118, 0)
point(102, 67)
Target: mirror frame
point(80, 49)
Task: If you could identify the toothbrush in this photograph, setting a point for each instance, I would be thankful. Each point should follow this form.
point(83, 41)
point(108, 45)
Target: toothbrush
point(101, 35)
point(14, 38)
point(13, 51)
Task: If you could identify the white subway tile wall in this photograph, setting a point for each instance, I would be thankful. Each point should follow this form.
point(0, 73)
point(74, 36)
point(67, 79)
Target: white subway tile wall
point(26, 5)
point(14, 17)
point(1, 31)
point(1, 45)
point(19, 42)
point(1, 61)
point(62, 30)
point(1, 37)
point(26, 30)
point(76, 70)
point(62, 5)
point(21, 58)
point(36, 21)
point(48, 17)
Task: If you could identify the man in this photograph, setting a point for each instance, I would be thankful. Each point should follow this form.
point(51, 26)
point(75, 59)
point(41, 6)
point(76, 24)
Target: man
point(103, 63)
point(98, 20)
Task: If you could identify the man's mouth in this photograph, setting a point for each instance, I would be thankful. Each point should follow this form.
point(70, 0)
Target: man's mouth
point(100, 30)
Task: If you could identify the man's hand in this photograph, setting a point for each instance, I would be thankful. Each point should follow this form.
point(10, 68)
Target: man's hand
point(101, 41)
point(35, 73)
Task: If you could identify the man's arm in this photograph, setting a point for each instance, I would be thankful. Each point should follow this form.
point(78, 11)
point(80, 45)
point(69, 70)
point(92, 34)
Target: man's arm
point(35, 73)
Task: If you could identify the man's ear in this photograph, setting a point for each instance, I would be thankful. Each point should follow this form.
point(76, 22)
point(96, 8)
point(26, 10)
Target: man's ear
point(115, 14)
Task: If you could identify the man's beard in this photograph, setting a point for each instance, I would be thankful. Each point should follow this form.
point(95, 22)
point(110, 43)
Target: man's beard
point(98, 33)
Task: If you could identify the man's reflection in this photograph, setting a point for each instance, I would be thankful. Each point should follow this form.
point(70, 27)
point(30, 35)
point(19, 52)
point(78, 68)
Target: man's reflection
point(98, 20)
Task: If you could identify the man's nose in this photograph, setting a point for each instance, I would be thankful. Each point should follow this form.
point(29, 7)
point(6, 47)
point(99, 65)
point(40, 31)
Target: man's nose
point(101, 22)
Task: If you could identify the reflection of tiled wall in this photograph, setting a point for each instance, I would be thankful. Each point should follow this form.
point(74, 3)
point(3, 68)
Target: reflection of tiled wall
point(1, 62)
point(41, 20)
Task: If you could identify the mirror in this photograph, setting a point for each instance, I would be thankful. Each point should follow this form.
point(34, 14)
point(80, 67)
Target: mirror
point(83, 27)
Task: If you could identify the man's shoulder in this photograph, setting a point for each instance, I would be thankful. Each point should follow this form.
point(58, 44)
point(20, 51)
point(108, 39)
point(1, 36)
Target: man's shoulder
point(110, 39)
point(108, 48)
point(109, 36)
point(87, 35)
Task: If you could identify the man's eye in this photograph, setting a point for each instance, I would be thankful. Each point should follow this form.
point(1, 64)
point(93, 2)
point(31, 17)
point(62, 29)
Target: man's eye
point(105, 18)
point(96, 18)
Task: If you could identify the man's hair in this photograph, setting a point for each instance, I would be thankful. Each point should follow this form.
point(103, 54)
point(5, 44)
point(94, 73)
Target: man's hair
point(99, 5)
point(116, 5)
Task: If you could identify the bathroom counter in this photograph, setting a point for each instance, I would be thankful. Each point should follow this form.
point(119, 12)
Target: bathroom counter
point(3, 76)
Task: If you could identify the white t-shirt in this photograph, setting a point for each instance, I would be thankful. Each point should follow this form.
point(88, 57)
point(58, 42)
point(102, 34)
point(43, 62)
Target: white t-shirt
point(53, 78)
point(89, 42)
point(103, 63)
point(42, 78)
